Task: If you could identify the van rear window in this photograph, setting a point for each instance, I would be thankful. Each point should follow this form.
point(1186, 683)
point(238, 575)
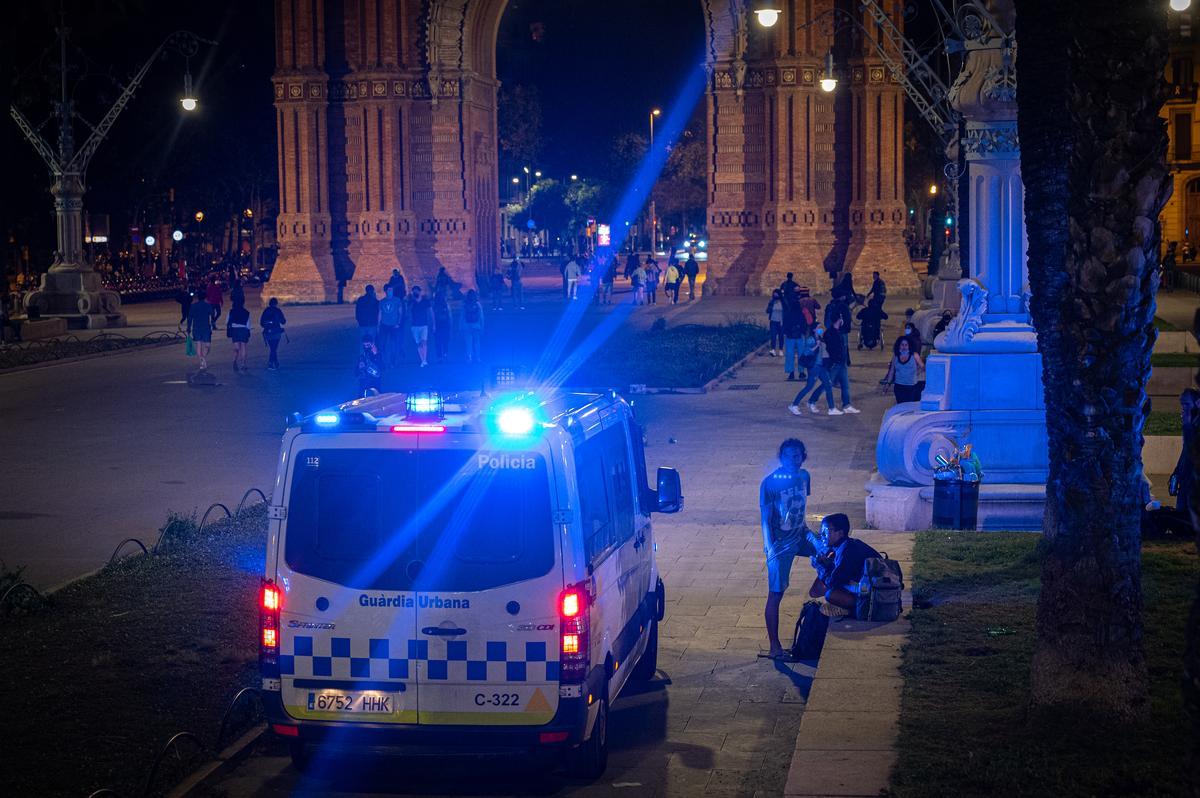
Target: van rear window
point(448, 520)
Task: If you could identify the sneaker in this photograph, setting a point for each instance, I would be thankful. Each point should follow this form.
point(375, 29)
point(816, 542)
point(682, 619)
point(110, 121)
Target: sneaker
point(794, 410)
point(833, 411)
point(851, 409)
point(772, 353)
point(791, 376)
point(812, 408)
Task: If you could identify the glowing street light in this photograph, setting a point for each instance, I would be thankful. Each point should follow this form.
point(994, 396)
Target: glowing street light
point(199, 217)
point(933, 189)
point(574, 177)
point(767, 14)
point(516, 181)
point(177, 236)
point(150, 241)
point(188, 100)
point(1181, 5)
point(828, 81)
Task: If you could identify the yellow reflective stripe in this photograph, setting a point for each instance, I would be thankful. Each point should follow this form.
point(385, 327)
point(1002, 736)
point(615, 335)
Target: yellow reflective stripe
point(487, 718)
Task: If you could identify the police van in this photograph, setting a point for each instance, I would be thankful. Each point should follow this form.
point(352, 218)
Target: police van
point(464, 573)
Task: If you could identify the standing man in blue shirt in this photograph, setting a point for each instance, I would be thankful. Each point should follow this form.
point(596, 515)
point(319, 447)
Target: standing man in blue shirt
point(840, 566)
point(782, 500)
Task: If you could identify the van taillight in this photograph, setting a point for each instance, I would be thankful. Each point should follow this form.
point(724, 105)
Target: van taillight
point(573, 639)
point(268, 641)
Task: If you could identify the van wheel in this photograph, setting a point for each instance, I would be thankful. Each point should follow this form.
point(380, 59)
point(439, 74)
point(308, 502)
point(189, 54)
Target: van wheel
point(302, 756)
point(647, 666)
point(590, 759)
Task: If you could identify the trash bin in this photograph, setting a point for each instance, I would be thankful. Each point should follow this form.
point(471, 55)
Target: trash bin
point(955, 504)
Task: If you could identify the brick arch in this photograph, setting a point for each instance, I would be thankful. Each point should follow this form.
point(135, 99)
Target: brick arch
point(386, 117)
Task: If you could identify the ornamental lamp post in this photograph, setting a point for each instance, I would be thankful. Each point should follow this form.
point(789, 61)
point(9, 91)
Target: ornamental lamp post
point(767, 13)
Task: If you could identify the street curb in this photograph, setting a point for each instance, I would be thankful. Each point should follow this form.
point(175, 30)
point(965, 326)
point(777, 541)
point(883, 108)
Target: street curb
point(728, 373)
point(92, 356)
point(226, 760)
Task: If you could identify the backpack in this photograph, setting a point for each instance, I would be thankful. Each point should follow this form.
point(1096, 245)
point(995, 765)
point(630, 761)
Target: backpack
point(471, 312)
point(811, 627)
point(879, 590)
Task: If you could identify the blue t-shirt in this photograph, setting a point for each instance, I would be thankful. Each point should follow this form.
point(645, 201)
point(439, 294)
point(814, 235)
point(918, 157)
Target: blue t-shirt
point(783, 498)
point(846, 568)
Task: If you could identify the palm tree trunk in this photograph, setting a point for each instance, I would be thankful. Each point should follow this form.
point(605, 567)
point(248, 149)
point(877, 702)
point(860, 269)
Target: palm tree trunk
point(1093, 160)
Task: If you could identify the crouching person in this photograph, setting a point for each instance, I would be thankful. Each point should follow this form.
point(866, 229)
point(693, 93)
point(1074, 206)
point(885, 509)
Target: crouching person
point(839, 567)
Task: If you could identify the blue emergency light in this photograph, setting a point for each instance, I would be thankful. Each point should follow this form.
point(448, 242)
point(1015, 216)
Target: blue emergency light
point(425, 405)
point(326, 419)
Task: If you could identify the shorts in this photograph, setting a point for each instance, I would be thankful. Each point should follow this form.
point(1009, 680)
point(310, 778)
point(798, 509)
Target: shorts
point(420, 334)
point(779, 572)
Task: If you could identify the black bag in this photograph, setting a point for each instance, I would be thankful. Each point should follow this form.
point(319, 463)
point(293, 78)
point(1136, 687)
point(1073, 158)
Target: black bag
point(811, 627)
point(879, 590)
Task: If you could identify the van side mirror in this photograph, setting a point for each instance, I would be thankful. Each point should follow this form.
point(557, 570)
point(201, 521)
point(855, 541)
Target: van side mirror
point(670, 492)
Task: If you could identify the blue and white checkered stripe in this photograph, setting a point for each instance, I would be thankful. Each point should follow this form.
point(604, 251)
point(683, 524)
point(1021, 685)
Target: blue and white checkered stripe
point(452, 660)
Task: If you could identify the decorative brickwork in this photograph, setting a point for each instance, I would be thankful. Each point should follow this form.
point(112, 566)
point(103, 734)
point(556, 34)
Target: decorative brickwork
point(386, 116)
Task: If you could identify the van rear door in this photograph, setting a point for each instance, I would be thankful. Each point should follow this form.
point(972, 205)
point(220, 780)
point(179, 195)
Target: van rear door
point(348, 618)
point(488, 587)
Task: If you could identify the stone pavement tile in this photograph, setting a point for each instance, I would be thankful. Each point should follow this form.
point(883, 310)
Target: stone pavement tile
point(889, 640)
point(854, 695)
point(847, 731)
point(851, 663)
point(839, 773)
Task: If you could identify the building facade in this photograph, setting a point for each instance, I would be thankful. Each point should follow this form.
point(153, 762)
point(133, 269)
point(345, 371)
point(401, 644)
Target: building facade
point(1181, 217)
point(387, 137)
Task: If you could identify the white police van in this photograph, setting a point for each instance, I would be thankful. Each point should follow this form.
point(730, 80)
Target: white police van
point(461, 574)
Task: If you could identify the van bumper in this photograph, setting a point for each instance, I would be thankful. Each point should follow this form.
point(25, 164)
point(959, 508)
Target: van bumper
point(565, 730)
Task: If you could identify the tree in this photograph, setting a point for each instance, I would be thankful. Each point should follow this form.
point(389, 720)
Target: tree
point(1093, 161)
point(681, 190)
point(520, 124)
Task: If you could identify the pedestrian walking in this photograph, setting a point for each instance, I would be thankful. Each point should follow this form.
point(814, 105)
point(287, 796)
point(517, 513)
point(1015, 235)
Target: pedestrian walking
point(671, 282)
point(606, 282)
point(903, 372)
point(366, 313)
point(631, 263)
point(496, 287)
point(878, 290)
point(370, 367)
point(184, 298)
point(391, 323)
point(782, 502)
point(396, 283)
point(443, 282)
point(572, 273)
point(638, 280)
point(237, 327)
point(837, 364)
point(692, 270)
point(420, 313)
point(789, 289)
point(199, 327)
point(473, 324)
point(272, 322)
point(775, 321)
point(442, 326)
point(516, 272)
point(653, 275)
point(212, 295)
point(794, 327)
point(813, 361)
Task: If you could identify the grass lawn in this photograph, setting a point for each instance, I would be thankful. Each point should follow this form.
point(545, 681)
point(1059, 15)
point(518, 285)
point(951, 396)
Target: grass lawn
point(686, 356)
point(1172, 359)
point(99, 680)
point(965, 728)
point(1163, 422)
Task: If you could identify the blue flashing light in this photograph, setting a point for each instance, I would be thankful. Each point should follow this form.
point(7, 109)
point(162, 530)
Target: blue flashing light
point(327, 419)
point(425, 404)
point(702, 244)
point(515, 421)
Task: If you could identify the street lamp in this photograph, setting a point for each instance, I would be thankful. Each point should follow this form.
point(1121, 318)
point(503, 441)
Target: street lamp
point(828, 80)
point(574, 177)
point(177, 236)
point(767, 13)
point(199, 217)
point(933, 189)
point(188, 100)
point(1181, 5)
point(653, 113)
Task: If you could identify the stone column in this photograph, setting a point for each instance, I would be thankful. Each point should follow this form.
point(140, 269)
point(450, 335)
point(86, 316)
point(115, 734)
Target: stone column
point(984, 379)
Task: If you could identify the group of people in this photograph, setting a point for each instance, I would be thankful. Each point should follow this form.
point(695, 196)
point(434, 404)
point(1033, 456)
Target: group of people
point(836, 557)
point(644, 278)
point(381, 324)
point(199, 318)
point(814, 349)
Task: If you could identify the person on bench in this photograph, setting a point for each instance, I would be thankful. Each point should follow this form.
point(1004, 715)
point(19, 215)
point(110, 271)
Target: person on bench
point(839, 567)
